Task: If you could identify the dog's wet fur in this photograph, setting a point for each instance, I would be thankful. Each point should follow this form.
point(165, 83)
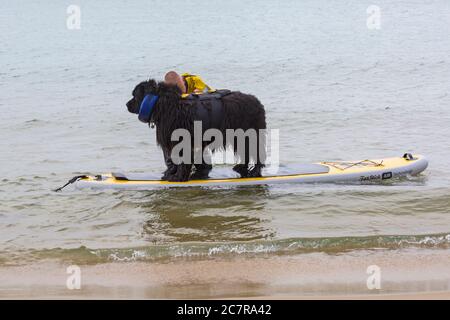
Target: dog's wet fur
point(240, 111)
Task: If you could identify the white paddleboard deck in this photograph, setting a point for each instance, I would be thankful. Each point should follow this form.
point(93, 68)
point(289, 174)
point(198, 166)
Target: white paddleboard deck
point(327, 171)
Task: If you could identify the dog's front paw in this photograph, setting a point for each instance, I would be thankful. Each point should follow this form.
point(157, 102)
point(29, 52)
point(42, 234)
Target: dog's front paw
point(200, 175)
point(255, 173)
point(201, 172)
point(169, 172)
point(181, 173)
point(177, 178)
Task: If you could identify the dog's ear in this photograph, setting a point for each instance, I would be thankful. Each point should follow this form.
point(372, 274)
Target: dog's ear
point(140, 88)
point(151, 84)
point(148, 86)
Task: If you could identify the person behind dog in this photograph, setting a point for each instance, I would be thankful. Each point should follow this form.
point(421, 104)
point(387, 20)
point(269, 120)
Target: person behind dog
point(188, 83)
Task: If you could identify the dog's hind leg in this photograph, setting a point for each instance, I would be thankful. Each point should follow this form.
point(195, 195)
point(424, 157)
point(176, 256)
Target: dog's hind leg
point(260, 156)
point(202, 170)
point(243, 166)
point(242, 169)
point(256, 171)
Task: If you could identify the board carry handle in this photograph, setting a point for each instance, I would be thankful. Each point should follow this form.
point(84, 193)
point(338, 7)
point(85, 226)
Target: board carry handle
point(408, 156)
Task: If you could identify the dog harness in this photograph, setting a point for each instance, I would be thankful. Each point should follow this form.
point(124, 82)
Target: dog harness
point(208, 107)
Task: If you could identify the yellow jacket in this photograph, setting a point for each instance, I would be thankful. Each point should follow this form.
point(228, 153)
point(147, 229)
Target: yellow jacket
point(195, 84)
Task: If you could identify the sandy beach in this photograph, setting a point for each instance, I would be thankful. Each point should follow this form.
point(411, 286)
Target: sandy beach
point(405, 274)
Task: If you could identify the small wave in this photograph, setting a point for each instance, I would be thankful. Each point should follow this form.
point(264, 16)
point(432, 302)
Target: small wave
point(33, 123)
point(84, 255)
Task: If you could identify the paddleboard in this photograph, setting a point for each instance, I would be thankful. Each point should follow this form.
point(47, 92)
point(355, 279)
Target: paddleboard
point(368, 170)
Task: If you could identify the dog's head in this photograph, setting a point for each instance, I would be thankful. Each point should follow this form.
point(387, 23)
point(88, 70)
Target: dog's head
point(140, 91)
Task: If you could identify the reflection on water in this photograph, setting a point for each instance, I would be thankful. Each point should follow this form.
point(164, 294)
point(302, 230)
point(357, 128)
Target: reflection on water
point(196, 214)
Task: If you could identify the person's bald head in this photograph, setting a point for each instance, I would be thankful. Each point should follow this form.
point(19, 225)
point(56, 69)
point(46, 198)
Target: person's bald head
point(171, 77)
point(174, 78)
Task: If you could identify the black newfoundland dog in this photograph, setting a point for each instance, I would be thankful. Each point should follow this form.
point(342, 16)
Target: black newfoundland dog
point(221, 110)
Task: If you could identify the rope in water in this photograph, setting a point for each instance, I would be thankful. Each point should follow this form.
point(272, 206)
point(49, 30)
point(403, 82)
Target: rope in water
point(335, 164)
point(73, 180)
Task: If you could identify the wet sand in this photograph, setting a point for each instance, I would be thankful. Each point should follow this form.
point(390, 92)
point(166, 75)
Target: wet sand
point(405, 274)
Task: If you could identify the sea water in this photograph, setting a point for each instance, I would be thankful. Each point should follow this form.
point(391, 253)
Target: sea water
point(336, 86)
